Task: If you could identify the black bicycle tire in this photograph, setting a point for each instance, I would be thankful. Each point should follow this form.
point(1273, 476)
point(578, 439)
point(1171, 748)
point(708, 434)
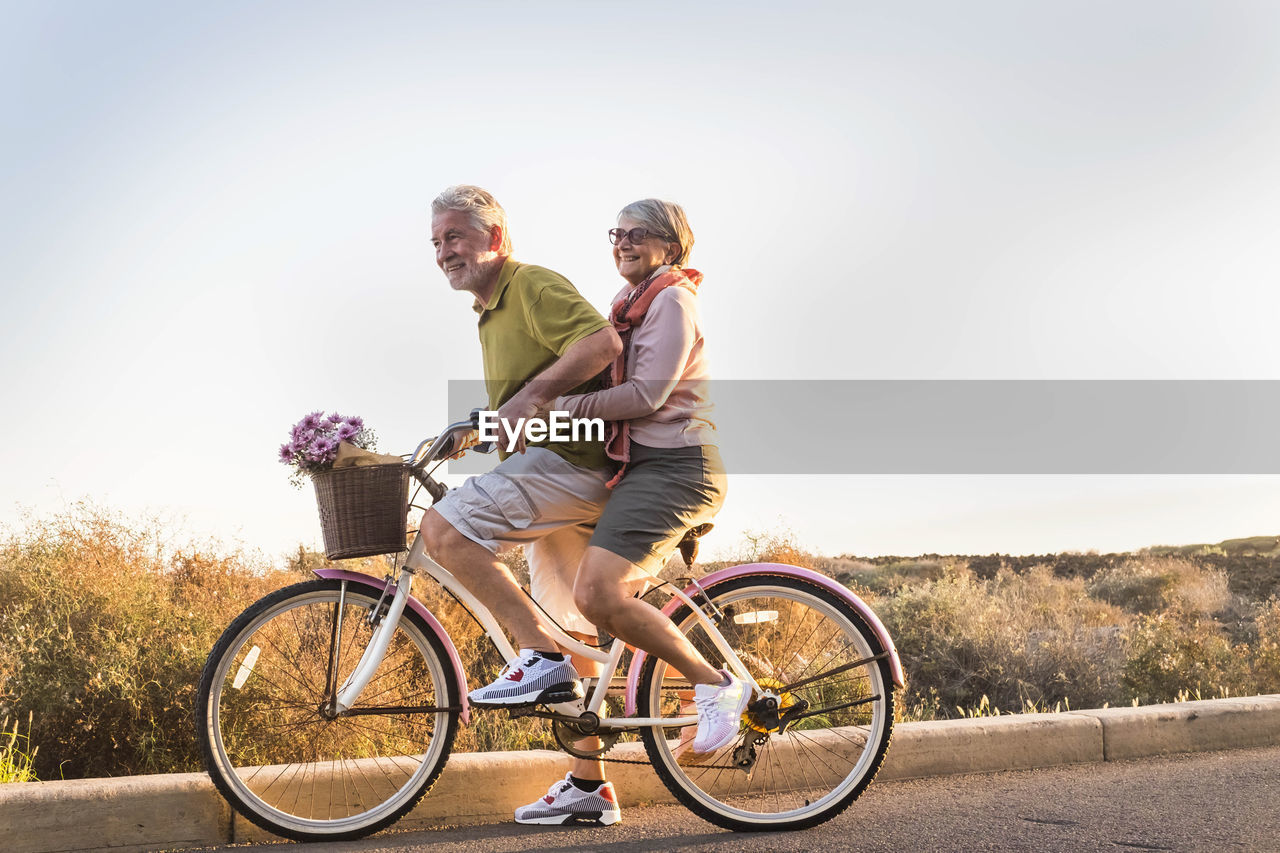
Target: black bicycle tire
point(658, 756)
point(228, 643)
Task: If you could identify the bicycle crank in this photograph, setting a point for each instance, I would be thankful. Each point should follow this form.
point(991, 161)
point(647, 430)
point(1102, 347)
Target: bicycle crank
point(567, 733)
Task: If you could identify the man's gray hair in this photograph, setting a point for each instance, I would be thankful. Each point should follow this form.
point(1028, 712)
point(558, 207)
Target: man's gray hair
point(666, 218)
point(480, 204)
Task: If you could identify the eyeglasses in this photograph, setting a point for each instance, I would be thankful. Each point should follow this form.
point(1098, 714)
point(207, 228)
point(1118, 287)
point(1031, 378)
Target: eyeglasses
point(635, 235)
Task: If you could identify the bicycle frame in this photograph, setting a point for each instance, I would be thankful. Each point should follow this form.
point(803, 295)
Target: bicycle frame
point(418, 562)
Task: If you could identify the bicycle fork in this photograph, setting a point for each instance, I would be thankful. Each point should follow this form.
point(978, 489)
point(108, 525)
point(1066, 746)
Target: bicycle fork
point(349, 693)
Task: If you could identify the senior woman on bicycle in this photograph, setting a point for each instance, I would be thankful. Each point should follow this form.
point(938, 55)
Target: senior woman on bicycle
point(671, 477)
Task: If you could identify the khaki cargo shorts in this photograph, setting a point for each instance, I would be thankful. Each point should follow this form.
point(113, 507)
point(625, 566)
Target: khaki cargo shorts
point(539, 500)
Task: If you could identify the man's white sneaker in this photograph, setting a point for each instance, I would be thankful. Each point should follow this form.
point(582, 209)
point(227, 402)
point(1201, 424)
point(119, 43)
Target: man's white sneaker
point(565, 804)
point(720, 708)
point(529, 679)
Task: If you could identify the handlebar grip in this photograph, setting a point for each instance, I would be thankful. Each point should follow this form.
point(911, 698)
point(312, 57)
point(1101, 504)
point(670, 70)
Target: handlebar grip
point(484, 446)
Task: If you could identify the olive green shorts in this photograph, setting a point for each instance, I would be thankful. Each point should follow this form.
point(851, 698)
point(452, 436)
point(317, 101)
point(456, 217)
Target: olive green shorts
point(664, 492)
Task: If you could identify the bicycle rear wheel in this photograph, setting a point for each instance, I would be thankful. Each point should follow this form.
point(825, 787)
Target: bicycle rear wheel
point(807, 759)
point(268, 743)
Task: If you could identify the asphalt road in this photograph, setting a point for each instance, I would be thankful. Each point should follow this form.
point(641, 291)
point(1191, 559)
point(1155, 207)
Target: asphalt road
point(1205, 801)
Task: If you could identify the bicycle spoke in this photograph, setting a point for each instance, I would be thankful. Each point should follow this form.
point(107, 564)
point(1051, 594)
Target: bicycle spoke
point(795, 685)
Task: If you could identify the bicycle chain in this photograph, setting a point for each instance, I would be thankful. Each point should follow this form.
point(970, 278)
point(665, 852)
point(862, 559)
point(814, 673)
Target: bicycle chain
point(646, 762)
point(649, 763)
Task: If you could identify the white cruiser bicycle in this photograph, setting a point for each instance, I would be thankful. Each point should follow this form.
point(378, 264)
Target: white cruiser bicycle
point(328, 708)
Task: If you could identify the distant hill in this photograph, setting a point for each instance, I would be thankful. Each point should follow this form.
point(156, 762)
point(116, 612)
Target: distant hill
point(1252, 546)
point(1252, 564)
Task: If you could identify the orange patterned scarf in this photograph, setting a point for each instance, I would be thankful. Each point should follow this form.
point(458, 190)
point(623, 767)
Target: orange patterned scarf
point(627, 311)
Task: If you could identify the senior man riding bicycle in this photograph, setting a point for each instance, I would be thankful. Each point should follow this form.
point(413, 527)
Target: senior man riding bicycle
point(539, 339)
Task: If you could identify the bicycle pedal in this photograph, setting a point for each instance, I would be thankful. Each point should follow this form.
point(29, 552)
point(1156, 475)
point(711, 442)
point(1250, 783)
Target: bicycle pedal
point(567, 692)
point(573, 708)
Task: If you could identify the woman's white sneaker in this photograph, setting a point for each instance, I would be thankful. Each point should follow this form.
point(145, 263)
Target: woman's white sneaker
point(567, 804)
point(720, 708)
point(529, 679)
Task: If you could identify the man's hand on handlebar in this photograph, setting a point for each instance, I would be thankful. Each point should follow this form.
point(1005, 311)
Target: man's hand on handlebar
point(463, 443)
point(517, 410)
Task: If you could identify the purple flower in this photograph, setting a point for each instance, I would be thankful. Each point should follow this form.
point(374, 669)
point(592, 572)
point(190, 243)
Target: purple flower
point(323, 449)
point(313, 442)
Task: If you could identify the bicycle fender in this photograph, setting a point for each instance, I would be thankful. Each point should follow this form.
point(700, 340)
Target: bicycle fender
point(815, 578)
point(418, 608)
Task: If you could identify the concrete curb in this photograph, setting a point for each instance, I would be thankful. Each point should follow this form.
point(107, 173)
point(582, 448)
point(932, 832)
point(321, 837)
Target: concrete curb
point(184, 810)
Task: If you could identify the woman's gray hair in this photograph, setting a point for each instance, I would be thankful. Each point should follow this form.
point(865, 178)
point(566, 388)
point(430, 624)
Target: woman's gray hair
point(666, 218)
point(483, 208)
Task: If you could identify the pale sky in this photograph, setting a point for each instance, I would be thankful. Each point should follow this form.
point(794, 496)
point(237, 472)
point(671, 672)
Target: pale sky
point(214, 218)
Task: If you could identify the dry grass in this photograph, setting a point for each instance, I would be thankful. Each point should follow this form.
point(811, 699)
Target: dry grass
point(1144, 630)
point(105, 625)
point(17, 755)
point(1017, 640)
point(104, 628)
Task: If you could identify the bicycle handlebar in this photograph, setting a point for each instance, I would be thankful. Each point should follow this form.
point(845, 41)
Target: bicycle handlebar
point(441, 447)
point(431, 449)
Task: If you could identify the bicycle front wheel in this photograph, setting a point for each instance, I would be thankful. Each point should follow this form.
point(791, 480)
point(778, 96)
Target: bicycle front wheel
point(804, 760)
point(269, 737)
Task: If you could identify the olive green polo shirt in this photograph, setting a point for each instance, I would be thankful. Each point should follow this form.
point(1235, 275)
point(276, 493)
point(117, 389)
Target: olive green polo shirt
point(532, 317)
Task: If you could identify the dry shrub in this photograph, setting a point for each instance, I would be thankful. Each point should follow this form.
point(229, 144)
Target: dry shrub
point(885, 578)
point(1150, 585)
point(776, 546)
point(1020, 640)
point(1035, 640)
point(1171, 655)
point(1175, 653)
point(1266, 651)
point(105, 628)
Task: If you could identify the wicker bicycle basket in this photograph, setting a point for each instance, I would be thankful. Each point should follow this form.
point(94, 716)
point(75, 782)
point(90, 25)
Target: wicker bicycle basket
point(362, 510)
